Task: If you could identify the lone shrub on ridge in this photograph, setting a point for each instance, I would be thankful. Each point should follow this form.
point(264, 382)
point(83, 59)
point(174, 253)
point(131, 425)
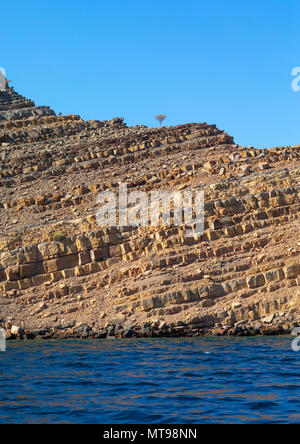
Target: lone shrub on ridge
point(160, 118)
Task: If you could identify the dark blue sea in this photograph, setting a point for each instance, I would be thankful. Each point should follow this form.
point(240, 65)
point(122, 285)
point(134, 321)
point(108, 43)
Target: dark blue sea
point(164, 381)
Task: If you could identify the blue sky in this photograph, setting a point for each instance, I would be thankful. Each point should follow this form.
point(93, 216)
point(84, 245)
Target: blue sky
point(226, 62)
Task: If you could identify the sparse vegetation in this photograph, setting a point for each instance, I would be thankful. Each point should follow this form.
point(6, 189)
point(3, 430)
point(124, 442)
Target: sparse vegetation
point(160, 118)
point(59, 237)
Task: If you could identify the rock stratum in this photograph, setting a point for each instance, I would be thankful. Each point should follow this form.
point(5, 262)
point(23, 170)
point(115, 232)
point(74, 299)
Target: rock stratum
point(13, 105)
point(240, 277)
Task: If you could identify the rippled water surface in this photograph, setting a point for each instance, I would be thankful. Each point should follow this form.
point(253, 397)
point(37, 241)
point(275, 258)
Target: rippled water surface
point(151, 381)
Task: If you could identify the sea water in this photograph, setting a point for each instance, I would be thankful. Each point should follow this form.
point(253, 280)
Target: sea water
point(160, 381)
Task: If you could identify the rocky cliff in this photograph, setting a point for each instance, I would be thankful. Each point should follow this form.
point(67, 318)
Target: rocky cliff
point(13, 105)
point(61, 275)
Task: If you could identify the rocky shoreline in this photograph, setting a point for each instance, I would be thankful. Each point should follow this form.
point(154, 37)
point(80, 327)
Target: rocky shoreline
point(157, 329)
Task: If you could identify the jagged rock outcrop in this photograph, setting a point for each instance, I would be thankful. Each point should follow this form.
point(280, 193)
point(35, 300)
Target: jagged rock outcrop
point(15, 106)
point(241, 276)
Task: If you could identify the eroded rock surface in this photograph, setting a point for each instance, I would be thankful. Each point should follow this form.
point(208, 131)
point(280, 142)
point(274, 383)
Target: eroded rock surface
point(13, 105)
point(241, 276)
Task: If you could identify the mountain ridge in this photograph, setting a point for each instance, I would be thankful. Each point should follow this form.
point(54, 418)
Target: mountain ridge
point(240, 277)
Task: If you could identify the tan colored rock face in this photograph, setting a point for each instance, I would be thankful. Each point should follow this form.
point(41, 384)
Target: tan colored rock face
point(244, 268)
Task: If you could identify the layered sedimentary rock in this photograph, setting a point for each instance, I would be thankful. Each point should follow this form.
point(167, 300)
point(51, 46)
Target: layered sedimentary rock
point(62, 275)
point(13, 105)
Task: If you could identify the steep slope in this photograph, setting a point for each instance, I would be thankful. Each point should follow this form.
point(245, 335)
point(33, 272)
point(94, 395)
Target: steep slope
point(241, 276)
point(13, 105)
